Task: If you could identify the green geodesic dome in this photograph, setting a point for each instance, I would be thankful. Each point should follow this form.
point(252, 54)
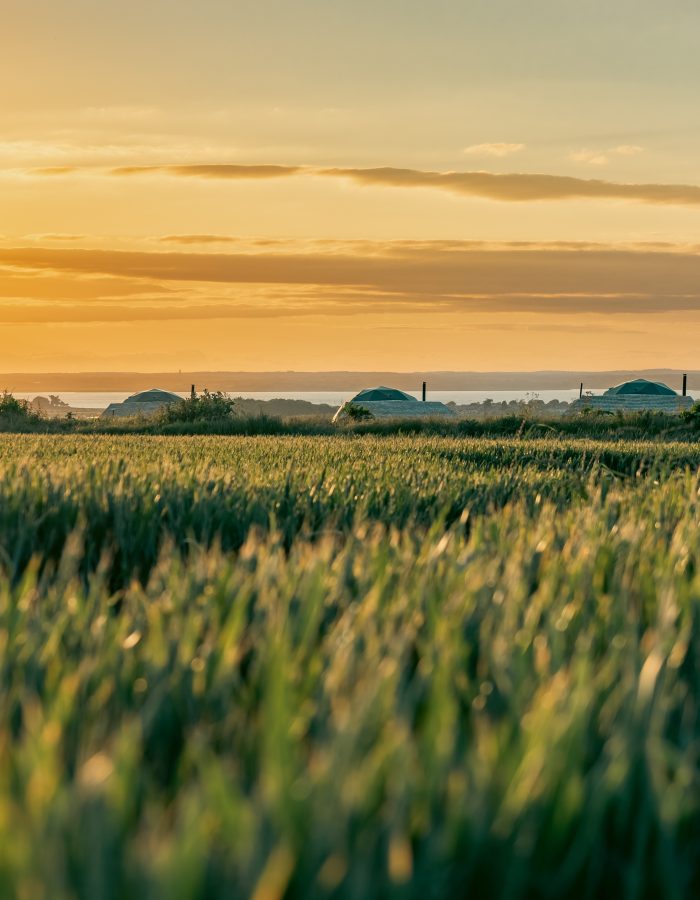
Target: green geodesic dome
point(154, 395)
point(641, 386)
point(381, 393)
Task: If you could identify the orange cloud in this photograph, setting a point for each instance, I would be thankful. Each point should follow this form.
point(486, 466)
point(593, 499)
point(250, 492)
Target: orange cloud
point(602, 157)
point(433, 275)
point(210, 171)
point(516, 187)
point(54, 170)
point(94, 313)
point(496, 149)
point(198, 239)
point(509, 187)
point(522, 187)
point(59, 236)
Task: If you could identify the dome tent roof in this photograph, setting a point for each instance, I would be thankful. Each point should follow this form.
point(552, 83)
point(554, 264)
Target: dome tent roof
point(144, 403)
point(381, 393)
point(154, 395)
point(641, 386)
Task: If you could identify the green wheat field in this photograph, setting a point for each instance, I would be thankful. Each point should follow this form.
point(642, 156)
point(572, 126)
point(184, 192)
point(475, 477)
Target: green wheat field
point(354, 666)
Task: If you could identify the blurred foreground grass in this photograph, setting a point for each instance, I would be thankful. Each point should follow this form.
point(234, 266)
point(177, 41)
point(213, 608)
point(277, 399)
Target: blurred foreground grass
point(348, 667)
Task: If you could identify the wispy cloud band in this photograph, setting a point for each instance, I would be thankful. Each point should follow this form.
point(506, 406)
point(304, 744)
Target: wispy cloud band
point(434, 275)
point(522, 187)
point(499, 149)
point(217, 170)
point(517, 187)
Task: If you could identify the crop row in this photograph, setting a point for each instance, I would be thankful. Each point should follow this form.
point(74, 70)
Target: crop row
point(128, 495)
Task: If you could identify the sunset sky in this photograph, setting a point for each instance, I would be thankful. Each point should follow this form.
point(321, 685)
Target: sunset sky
point(349, 184)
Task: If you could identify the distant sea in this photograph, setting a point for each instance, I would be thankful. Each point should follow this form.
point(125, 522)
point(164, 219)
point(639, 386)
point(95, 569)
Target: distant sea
point(102, 399)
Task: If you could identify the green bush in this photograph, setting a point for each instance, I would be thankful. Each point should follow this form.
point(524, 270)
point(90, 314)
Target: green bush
point(356, 413)
point(692, 416)
point(209, 406)
point(16, 413)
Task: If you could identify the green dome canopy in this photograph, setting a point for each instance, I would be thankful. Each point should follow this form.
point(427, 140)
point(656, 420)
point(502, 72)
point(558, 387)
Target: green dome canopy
point(381, 393)
point(642, 386)
point(155, 395)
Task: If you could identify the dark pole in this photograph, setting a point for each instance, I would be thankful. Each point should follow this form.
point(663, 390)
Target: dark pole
point(580, 391)
point(424, 385)
point(192, 394)
point(685, 385)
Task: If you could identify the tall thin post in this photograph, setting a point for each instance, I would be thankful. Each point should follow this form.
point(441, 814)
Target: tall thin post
point(580, 391)
point(685, 385)
point(424, 386)
point(192, 393)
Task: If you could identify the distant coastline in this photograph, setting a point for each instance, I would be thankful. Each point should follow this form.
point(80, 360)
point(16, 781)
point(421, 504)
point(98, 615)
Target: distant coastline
point(233, 382)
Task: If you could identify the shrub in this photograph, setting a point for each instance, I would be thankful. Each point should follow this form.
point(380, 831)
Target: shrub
point(14, 412)
point(212, 406)
point(692, 415)
point(356, 413)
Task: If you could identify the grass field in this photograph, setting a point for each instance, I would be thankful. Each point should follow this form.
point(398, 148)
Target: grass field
point(353, 667)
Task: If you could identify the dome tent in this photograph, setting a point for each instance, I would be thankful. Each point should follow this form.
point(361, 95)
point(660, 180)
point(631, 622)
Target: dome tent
point(390, 403)
point(381, 393)
point(145, 403)
point(641, 386)
point(153, 395)
point(637, 395)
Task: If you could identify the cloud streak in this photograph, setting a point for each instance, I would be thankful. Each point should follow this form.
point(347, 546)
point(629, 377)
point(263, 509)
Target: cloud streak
point(65, 313)
point(497, 149)
point(431, 276)
point(58, 236)
point(210, 171)
point(516, 187)
point(519, 188)
point(602, 157)
point(54, 170)
point(187, 239)
point(589, 157)
point(97, 313)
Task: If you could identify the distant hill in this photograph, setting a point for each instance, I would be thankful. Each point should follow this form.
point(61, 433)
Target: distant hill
point(233, 382)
